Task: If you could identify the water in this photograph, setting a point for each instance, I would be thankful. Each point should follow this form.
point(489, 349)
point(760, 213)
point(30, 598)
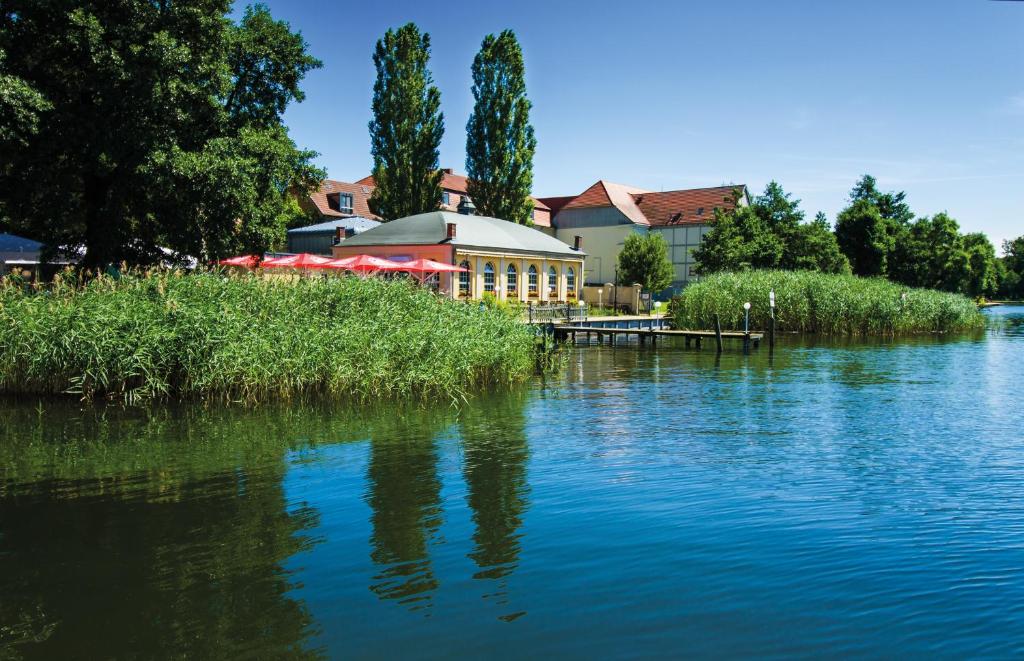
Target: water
point(841, 499)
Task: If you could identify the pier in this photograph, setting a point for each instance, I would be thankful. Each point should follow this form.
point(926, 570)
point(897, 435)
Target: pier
point(648, 328)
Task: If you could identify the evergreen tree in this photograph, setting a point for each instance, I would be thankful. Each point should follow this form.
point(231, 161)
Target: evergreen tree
point(148, 125)
point(865, 238)
point(782, 217)
point(407, 126)
point(499, 138)
point(644, 260)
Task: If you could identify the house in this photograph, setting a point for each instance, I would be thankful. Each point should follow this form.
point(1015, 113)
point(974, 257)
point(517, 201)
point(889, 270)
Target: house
point(603, 216)
point(505, 259)
point(318, 239)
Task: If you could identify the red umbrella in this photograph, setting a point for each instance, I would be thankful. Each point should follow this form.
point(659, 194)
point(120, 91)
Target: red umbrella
point(424, 265)
point(366, 264)
point(248, 261)
point(303, 260)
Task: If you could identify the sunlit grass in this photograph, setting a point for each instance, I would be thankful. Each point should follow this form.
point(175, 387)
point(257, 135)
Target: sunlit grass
point(164, 334)
point(822, 303)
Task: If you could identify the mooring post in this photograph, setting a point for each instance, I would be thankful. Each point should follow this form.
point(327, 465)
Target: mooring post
point(718, 333)
point(746, 342)
point(771, 333)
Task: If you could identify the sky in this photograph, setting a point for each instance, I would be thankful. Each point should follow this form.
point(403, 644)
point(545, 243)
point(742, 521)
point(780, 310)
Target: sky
point(925, 95)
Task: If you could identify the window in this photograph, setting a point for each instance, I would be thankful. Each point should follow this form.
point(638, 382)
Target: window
point(552, 281)
point(570, 283)
point(446, 199)
point(489, 277)
point(533, 214)
point(345, 202)
point(512, 279)
point(532, 280)
point(464, 279)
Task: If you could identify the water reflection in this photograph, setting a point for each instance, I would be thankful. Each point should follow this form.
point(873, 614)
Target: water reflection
point(404, 492)
point(494, 466)
point(182, 557)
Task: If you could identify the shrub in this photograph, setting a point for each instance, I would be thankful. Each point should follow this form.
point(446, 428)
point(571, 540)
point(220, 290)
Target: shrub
point(161, 334)
point(822, 303)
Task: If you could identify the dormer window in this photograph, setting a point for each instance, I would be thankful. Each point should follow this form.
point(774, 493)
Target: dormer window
point(700, 211)
point(345, 202)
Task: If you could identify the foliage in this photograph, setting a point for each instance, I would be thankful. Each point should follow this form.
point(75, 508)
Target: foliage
point(499, 138)
point(769, 233)
point(162, 127)
point(822, 303)
point(407, 126)
point(204, 335)
point(644, 260)
point(866, 238)
point(1012, 263)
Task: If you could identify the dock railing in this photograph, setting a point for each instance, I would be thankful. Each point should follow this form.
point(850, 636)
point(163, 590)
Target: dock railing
point(556, 312)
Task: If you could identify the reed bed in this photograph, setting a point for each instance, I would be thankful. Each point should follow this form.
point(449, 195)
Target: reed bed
point(167, 334)
point(826, 304)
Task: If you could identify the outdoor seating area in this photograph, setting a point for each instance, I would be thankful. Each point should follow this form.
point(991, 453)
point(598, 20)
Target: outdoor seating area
point(424, 270)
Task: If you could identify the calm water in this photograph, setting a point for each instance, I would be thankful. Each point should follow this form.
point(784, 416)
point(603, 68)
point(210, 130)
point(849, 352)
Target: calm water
point(852, 499)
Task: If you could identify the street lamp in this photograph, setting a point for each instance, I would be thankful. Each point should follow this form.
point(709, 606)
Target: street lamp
point(771, 302)
point(746, 317)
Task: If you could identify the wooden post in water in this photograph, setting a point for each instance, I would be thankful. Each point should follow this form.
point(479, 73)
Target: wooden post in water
point(718, 333)
point(771, 334)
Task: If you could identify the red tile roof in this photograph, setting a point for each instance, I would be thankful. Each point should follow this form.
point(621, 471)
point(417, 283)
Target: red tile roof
point(556, 203)
point(608, 194)
point(453, 183)
point(360, 196)
point(686, 207)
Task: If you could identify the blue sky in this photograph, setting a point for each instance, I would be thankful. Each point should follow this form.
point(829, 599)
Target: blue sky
point(927, 95)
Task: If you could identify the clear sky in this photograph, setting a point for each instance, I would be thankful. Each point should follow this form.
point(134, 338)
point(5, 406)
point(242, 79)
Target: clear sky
point(926, 95)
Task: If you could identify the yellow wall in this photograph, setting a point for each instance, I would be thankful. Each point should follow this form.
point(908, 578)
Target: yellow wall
point(602, 245)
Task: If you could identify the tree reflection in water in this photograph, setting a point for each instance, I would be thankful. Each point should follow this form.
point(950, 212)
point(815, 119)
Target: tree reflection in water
point(404, 493)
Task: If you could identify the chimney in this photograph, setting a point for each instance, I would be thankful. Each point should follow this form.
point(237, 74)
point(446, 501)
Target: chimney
point(451, 230)
point(448, 170)
point(577, 243)
point(339, 235)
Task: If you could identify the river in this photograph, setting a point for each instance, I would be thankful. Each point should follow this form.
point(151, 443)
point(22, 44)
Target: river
point(858, 498)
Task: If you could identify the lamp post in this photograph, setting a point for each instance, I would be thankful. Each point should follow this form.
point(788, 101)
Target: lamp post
point(746, 317)
point(771, 302)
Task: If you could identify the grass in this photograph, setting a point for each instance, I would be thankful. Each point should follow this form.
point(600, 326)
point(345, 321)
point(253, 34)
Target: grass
point(167, 334)
point(821, 303)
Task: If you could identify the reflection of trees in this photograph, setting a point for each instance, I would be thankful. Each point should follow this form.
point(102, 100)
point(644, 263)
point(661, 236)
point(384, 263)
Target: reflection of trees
point(103, 563)
point(405, 496)
point(496, 451)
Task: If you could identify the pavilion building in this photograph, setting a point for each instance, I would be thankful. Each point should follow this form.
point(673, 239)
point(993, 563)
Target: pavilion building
point(504, 259)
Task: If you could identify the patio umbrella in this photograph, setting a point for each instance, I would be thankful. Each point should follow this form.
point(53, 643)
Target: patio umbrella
point(366, 264)
point(303, 260)
point(424, 265)
point(248, 261)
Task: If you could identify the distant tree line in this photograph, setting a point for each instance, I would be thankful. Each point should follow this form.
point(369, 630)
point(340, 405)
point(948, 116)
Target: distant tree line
point(876, 234)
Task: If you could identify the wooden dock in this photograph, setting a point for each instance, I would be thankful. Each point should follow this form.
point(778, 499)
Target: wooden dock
point(569, 332)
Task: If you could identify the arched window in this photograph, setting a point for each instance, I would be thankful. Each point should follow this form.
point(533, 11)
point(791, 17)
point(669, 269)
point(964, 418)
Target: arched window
point(532, 280)
point(512, 279)
point(464, 279)
point(570, 283)
point(489, 277)
point(552, 281)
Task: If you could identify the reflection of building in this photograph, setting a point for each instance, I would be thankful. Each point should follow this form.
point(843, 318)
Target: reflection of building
point(510, 261)
point(606, 213)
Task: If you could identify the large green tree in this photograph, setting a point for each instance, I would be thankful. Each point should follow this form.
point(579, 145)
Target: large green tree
point(1012, 285)
point(499, 138)
point(738, 240)
point(644, 260)
point(152, 125)
point(407, 126)
point(868, 229)
point(813, 247)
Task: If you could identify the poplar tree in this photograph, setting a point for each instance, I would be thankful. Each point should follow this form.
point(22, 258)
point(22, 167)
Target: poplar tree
point(407, 126)
point(499, 138)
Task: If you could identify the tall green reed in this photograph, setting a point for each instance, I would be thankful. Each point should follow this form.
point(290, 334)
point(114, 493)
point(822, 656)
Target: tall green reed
point(810, 302)
point(159, 334)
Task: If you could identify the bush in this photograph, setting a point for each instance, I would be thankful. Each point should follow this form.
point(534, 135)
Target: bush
point(160, 334)
point(822, 303)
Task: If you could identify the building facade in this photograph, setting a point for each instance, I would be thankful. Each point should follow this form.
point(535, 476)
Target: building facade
point(503, 259)
point(606, 213)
